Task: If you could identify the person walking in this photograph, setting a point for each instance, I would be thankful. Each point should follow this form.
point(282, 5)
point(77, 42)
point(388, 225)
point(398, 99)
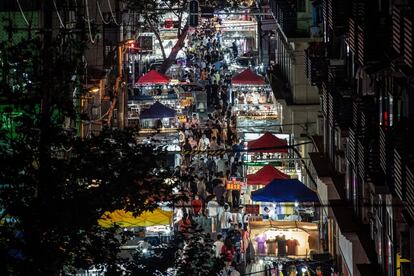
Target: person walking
point(218, 244)
point(227, 252)
point(226, 220)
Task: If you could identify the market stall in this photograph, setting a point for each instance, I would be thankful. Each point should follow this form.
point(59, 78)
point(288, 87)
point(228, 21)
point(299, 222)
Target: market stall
point(254, 102)
point(288, 199)
point(126, 219)
point(158, 116)
point(287, 239)
point(267, 145)
point(150, 88)
point(285, 190)
point(265, 175)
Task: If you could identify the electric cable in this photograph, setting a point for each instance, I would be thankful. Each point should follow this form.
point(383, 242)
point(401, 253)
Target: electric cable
point(57, 12)
point(21, 11)
point(89, 22)
point(100, 13)
point(112, 14)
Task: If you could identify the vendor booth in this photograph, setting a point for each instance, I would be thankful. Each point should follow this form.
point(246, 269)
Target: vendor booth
point(158, 116)
point(193, 97)
point(292, 239)
point(267, 147)
point(288, 199)
point(125, 219)
point(265, 175)
point(150, 88)
point(254, 102)
point(268, 143)
point(153, 78)
point(285, 190)
point(242, 32)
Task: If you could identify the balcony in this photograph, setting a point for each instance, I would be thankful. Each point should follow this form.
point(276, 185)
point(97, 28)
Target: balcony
point(286, 14)
point(316, 63)
point(410, 190)
point(336, 13)
point(408, 37)
point(398, 13)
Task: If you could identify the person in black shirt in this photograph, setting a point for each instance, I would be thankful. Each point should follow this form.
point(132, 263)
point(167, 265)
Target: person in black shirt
point(187, 156)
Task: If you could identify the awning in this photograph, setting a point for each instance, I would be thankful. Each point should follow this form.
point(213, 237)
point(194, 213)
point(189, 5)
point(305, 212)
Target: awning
point(153, 78)
point(268, 143)
point(265, 175)
point(127, 219)
point(157, 111)
point(247, 77)
point(285, 190)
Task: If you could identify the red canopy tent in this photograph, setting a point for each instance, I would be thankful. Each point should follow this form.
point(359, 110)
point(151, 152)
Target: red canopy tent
point(267, 144)
point(265, 175)
point(153, 78)
point(247, 77)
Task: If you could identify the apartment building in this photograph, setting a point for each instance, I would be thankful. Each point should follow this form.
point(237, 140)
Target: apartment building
point(287, 39)
point(99, 25)
point(363, 69)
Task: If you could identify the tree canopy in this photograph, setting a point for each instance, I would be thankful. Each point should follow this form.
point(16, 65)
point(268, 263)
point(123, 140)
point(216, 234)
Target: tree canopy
point(54, 185)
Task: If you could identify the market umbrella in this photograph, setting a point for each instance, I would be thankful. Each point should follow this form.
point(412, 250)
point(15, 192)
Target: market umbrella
point(248, 77)
point(265, 175)
point(153, 77)
point(285, 190)
point(157, 111)
point(123, 218)
point(268, 143)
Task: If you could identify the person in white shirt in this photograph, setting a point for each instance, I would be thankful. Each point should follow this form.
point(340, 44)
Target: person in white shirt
point(221, 165)
point(218, 244)
point(237, 217)
point(203, 143)
point(213, 209)
point(226, 220)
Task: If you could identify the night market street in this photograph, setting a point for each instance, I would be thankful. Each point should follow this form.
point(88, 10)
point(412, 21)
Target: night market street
point(193, 137)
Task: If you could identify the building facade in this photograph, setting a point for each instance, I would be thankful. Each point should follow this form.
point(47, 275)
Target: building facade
point(363, 70)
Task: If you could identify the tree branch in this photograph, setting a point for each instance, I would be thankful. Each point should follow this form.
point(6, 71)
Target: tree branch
point(157, 35)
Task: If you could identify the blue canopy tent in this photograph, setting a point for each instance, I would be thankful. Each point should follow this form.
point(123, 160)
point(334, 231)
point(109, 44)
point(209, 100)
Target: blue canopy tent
point(285, 190)
point(157, 111)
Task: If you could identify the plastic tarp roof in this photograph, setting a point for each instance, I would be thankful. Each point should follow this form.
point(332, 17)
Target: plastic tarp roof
point(152, 78)
point(157, 110)
point(248, 77)
point(285, 190)
point(123, 218)
point(268, 143)
point(265, 175)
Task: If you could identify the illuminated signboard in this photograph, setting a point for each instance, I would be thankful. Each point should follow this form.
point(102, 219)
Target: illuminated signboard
point(233, 185)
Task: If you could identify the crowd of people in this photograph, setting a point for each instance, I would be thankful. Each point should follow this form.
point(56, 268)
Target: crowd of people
point(211, 206)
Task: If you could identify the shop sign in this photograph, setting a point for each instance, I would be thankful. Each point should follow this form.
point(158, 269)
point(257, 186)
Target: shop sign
point(233, 185)
point(182, 118)
point(186, 102)
point(252, 209)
